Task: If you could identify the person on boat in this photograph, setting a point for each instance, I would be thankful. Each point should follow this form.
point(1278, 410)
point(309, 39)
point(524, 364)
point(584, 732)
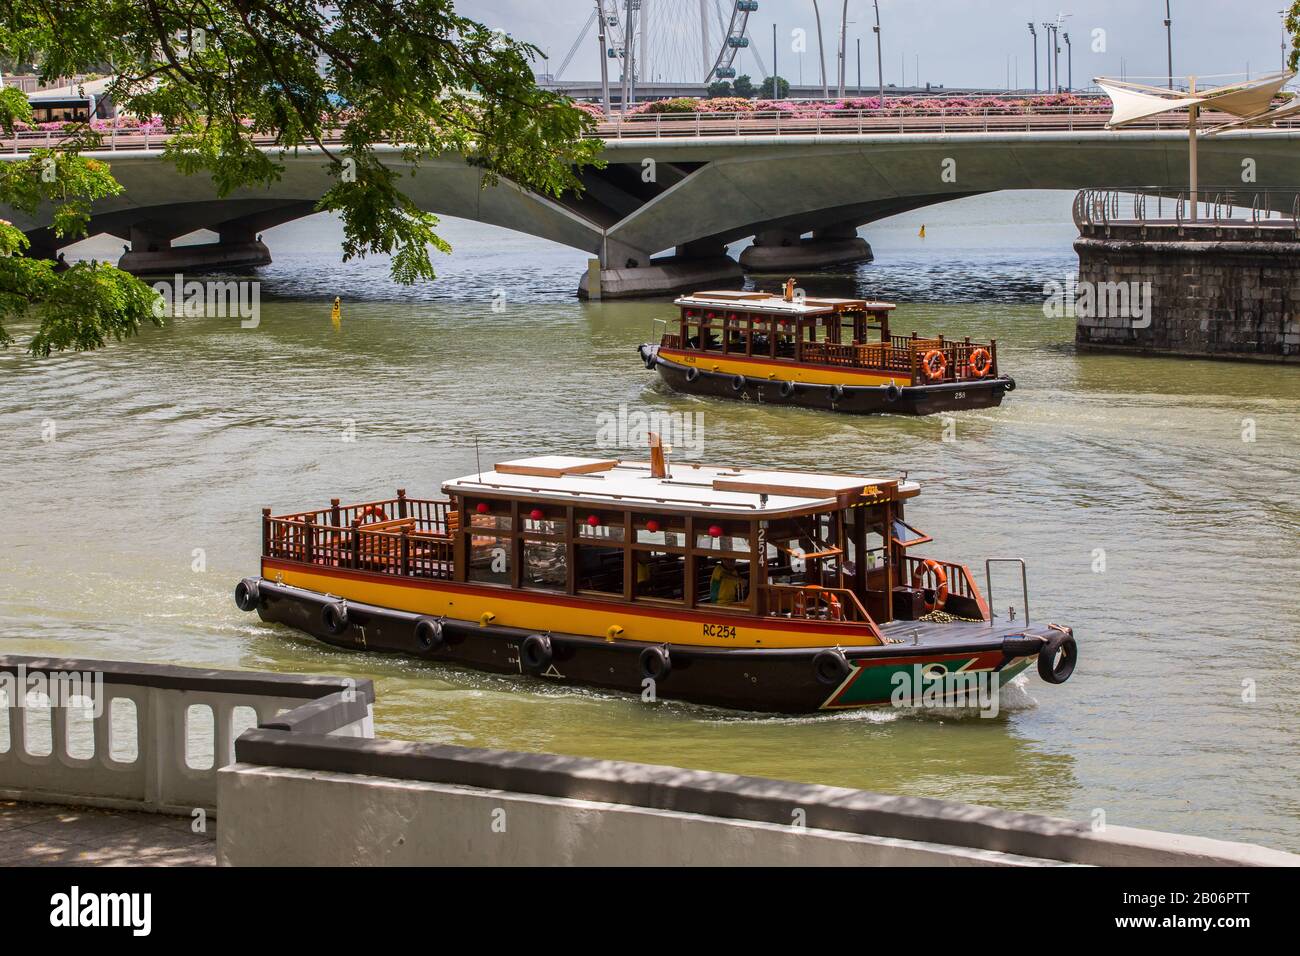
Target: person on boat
point(724, 583)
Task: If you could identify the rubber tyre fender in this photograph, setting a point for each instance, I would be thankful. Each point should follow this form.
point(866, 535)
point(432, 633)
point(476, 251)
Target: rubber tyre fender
point(335, 617)
point(837, 393)
point(656, 663)
point(692, 374)
point(1011, 384)
point(428, 634)
point(1022, 645)
point(1048, 669)
point(787, 389)
point(892, 392)
point(831, 667)
point(738, 383)
point(535, 653)
point(248, 595)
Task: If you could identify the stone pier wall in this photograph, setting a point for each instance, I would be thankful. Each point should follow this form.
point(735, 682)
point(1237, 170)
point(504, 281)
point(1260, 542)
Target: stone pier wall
point(1212, 296)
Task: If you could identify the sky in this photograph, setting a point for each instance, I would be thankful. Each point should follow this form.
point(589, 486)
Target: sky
point(954, 43)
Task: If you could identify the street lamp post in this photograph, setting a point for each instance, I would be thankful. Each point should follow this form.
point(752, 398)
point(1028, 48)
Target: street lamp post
point(821, 52)
point(1169, 42)
point(1069, 63)
point(1034, 34)
point(880, 62)
point(604, 58)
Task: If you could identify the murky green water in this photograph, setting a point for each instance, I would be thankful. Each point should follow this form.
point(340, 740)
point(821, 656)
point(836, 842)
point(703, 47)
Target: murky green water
point(167, 446)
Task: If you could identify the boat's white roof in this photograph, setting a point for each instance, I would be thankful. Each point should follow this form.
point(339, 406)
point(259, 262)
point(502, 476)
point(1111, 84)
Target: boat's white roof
point(767, 302)
point(689, 487)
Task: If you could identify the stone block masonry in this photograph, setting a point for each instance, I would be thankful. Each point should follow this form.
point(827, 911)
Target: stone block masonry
point(1228, 293)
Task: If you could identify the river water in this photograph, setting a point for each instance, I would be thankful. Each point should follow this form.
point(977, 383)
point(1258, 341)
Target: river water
point(126, 532)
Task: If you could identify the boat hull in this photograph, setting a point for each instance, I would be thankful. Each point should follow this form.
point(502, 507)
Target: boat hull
point(851, 399)
point(774, 680)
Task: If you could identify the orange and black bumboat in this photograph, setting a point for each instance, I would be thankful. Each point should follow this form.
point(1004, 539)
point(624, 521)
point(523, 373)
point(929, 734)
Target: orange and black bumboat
point(751, 589)
point(834, 354)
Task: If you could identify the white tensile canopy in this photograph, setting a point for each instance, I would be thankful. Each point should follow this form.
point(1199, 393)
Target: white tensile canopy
point(1134, 101)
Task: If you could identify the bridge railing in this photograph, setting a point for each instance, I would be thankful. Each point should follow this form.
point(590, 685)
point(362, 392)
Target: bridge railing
point(953, 119)
point(956, 119)
point(1212, 206)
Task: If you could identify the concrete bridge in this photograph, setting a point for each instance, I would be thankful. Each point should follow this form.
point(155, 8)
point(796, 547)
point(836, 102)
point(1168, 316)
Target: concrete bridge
point(672, 196)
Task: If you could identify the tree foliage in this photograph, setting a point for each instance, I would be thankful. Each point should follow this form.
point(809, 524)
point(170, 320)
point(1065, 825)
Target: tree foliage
point(344, 80)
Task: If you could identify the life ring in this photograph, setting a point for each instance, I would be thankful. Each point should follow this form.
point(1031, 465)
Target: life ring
point(428, 634)
point(833, 608)
point(248, 595)
point(371, 511)
point(656, 663)
point(335, 617)
point(930, 566)
point(981, 363)
point(831, 667)
point(535, 653)
point(1051, 669)
point(692, 374)
point(934, 364)
point(800, 604)
point(738, 383)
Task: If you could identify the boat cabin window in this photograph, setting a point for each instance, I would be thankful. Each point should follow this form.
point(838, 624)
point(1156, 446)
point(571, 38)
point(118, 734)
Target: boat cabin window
point(545, 561)
point(599, 569)
point(720, 535)
point(659, 557)
point(905, 536)
point(786, 336)
point(722, 582)
point(737, 329)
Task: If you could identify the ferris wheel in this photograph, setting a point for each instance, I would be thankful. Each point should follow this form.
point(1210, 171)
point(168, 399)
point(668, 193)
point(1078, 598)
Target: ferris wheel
point(683, 41)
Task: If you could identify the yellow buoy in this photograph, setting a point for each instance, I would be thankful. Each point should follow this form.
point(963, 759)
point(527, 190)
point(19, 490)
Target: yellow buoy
point(336, 314)
point(921, 234)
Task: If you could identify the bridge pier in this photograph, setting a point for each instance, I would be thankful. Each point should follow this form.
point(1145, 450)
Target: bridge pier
point(238, 247)
point(785, 250)
point(626, 273)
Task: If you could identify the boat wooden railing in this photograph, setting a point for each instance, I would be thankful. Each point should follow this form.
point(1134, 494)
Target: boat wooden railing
point(961, 583)
point(415, 542)
point(814, 603)
point(905, 355)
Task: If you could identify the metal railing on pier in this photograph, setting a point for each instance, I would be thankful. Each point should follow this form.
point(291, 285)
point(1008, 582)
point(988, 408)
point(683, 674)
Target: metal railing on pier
point(1261, 211)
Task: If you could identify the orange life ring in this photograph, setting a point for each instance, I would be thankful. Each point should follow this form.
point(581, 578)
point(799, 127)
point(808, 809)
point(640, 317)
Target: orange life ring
point(930, 566)
point(934, 371)
point(983, 366)
point(371, 510)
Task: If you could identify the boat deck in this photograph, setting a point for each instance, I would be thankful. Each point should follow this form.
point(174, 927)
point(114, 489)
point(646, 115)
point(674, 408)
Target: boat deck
point(956, 633)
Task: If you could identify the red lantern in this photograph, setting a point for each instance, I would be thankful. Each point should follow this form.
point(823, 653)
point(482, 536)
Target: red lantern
point(482, 508)
point(715, 531)
point(593, 521)
point(652, 526)
point(537, 514)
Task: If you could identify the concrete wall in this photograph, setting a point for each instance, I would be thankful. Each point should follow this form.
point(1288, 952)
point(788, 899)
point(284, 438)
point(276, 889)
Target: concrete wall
point(1220, 298)
point(274, 816)
point(315, 800)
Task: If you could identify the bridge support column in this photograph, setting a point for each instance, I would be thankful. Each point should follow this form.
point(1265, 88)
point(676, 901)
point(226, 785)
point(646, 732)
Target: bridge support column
point(239, 247)
point(784, 250)
point(626, 273)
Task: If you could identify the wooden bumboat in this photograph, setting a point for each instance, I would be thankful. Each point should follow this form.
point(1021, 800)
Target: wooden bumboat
point(820, 353)
point(744, 588)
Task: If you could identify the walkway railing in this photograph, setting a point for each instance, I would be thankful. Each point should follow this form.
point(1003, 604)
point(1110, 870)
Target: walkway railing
point(619, 126)
point(1216, 207)
point(955, 119)
point(151, 736)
